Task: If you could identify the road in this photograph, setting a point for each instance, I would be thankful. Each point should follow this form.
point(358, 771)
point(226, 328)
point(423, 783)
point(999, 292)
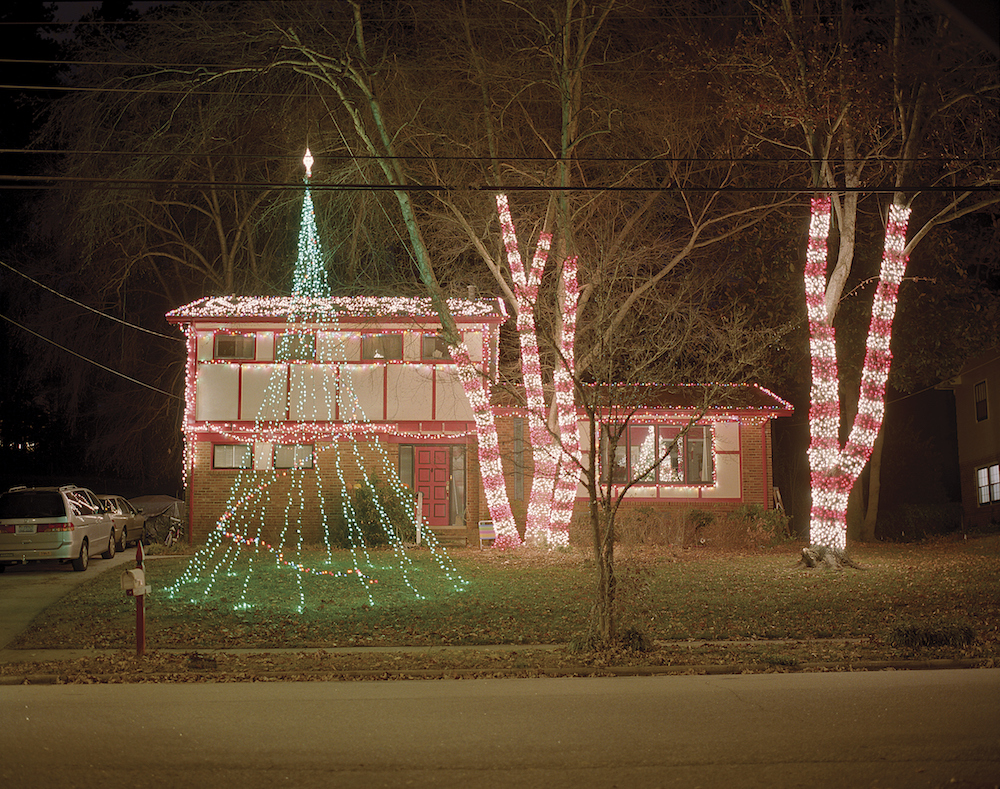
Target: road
point(865, 729)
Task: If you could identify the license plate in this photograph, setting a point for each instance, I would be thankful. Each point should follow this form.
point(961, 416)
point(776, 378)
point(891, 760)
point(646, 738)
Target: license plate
point(25, 528)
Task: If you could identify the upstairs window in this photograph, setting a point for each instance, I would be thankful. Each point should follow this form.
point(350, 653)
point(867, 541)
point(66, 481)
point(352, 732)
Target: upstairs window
point(234, 346)
point(433, 348)
point(381, 346)
point(661, 455)
point(982, 409)
point(296, 347)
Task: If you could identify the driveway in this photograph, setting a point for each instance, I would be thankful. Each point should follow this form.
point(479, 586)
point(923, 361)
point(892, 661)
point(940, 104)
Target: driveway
point(28, 589)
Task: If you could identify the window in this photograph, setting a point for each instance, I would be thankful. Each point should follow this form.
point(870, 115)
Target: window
point(661, 455)
point(982, 411)
point(81, 503)
point(382, 346)
point(231, 456)
point(293, 456)
point(234, 346)
point(988, 484)
point(296, 347)
point(433, 348)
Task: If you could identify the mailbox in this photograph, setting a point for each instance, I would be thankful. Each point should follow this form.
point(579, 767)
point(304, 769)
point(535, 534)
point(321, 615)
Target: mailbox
point(134, 582)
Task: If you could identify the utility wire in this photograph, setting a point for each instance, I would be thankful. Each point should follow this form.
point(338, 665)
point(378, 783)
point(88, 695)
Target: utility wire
point(349, 156)
point(91, 361)
point(86, 307)
point(49, 182)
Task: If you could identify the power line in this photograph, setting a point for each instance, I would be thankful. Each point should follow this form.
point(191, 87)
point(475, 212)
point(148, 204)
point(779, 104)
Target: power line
point(91, 361)
point(51, 182)
point(81, 304)
point(485, 159)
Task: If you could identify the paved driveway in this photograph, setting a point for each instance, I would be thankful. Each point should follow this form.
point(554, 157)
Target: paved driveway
point(28, 589)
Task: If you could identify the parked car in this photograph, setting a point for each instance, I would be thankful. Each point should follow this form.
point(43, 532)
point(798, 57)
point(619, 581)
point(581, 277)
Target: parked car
point(130, 523)
point(66, 523)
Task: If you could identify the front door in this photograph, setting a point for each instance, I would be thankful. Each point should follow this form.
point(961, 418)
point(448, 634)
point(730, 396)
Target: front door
point(432, 473)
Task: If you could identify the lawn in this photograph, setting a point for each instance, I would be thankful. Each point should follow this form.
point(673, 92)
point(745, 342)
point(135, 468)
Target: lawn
point(755, 608)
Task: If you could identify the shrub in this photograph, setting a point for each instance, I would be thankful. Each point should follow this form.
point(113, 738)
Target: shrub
point(700, 520)
point(934, 634)
point(763, 526)
point(910, 522)
point(645, 525)
point(381, 515)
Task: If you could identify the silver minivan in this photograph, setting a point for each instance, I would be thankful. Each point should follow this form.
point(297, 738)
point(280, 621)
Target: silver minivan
point(66, 523)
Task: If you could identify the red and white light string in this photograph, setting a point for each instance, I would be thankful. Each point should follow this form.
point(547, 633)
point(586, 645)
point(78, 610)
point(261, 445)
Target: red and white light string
point(834, 470)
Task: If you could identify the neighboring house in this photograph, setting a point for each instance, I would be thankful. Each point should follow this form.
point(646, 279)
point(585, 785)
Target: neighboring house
point(977, 413)
point(368, 382)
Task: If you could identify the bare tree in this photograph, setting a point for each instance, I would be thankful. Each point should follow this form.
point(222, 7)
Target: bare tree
point(901, 108)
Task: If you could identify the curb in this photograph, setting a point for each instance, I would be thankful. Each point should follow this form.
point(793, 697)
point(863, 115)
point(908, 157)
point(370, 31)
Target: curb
point(471, 673)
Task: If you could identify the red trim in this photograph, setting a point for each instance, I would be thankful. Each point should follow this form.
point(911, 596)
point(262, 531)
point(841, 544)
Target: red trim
point(434, 380)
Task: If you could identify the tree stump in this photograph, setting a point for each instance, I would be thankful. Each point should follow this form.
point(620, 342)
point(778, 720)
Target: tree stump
point(824, 556)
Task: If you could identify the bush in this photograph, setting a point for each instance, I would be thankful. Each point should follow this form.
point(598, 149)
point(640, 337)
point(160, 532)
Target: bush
point(914, 635)
point(748, 526)
point(381, 515)
point(700, 520)
point(645, 525)
point(910, 522)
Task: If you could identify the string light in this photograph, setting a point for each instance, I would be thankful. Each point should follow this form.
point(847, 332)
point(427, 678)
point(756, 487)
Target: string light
point(526, 294)
point(833, 469)
point(283, 425)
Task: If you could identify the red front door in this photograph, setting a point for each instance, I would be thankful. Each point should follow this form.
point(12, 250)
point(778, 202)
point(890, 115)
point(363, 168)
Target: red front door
point(432, 473)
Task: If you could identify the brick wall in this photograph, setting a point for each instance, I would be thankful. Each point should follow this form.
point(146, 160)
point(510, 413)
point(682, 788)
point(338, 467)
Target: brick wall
point(270, 502)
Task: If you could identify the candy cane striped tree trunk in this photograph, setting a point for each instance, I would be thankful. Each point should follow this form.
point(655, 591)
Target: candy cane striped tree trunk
point(553, 486)
point(834, 468)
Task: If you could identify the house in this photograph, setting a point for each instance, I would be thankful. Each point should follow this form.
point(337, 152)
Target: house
point(355, 386)
point(977, 415)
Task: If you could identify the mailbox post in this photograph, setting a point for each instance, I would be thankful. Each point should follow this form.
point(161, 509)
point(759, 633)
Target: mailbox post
point(134, 584)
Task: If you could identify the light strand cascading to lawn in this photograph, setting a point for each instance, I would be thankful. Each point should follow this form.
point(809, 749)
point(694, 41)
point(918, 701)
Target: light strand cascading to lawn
point(239, 533)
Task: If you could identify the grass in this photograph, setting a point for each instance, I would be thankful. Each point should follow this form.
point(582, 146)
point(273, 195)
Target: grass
point(751, 602)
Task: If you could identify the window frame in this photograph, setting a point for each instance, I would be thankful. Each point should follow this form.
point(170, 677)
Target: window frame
point(368, 352)
point(302, 346)
point(291, 463)
point(679, 461)
point(982, 414)
point(988, 485)
point(239, 339)
point(439, 344)
point(233, 447)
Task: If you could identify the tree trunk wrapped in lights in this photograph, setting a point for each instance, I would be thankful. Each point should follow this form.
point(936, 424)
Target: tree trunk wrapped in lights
point(556, 457)
point(833, 468)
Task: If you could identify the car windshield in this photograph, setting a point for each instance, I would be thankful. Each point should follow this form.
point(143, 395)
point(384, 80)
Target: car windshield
point(32, 504)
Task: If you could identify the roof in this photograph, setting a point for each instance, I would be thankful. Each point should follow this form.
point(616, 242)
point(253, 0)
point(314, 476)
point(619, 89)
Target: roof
point(332, 309)
point(722, 398)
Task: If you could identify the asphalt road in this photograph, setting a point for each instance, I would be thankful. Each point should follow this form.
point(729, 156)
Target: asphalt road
point(880, 729)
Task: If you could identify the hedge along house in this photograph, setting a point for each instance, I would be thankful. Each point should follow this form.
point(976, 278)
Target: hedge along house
point(346, 386)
